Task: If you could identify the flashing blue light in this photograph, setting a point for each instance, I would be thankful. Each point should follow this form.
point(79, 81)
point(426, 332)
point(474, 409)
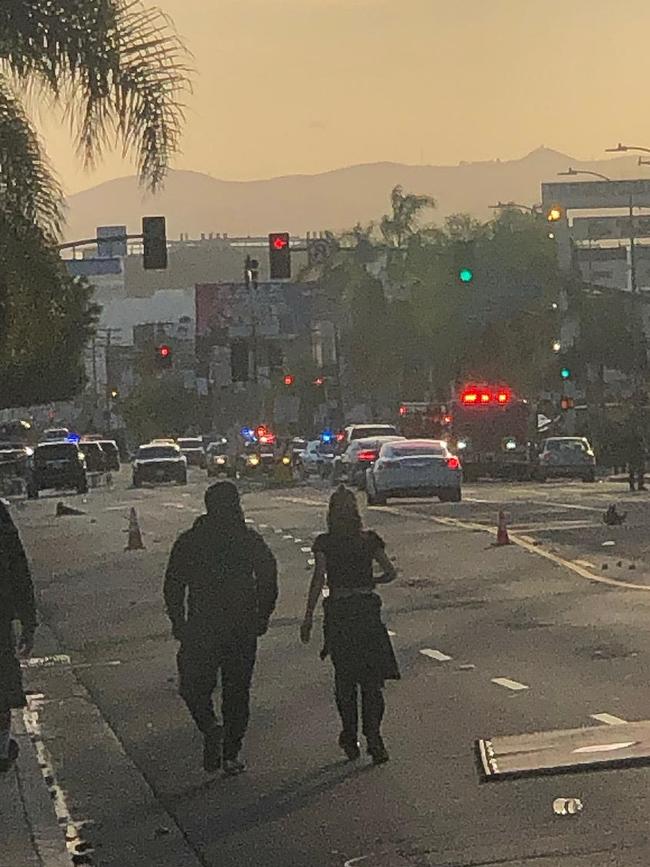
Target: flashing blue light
point(248, 433)
point(327, 436)
point(73, 438)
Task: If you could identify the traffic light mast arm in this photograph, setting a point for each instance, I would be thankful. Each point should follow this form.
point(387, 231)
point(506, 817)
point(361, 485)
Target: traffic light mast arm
point(87, 242)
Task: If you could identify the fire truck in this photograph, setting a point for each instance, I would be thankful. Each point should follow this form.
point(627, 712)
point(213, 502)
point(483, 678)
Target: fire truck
point(486, 424)
point(491, 432)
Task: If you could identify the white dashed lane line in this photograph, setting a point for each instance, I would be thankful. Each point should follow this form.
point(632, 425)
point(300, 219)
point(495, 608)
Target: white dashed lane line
point(438, 655)
point(288, 538)
point(608, 718)
point(513, 685)
point(306, 549)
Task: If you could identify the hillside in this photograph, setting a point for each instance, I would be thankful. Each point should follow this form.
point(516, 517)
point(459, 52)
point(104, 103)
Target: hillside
point(194, 202)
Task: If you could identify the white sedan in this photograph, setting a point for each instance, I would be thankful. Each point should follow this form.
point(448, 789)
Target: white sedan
point(414, 468)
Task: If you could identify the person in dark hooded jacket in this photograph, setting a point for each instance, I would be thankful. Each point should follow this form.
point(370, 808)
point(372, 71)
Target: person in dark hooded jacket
point(16, 603)
point(220, 591)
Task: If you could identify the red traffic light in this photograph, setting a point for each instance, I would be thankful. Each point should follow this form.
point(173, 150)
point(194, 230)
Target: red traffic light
point(320, 380)
point(288, 379)
point(280, 242)
point(164, 351)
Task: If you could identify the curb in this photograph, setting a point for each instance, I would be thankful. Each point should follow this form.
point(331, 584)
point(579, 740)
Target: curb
point(47, 835)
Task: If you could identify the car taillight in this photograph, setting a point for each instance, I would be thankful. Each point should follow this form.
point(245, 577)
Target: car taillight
point(367, 455)
point(453, 463)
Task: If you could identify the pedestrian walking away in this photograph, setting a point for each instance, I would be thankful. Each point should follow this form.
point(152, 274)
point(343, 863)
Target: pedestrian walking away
point(16, 604)
point(220, 590)
point(354, 635)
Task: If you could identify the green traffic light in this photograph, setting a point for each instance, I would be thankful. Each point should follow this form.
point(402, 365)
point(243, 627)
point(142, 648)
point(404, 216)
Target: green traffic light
point(466, 275)
point(565, 373)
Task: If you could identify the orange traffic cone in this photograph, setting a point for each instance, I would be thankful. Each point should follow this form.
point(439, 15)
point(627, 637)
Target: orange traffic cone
point(135, 542)
point(502, 530)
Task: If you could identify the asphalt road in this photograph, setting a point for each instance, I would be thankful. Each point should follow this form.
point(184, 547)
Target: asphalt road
point(544, 634)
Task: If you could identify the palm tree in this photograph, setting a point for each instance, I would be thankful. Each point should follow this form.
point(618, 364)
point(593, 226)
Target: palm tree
point(406, 207)
point(118, 72)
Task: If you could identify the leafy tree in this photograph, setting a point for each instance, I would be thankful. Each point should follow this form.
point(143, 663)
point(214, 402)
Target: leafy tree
point(115, 69)
point(160, 406)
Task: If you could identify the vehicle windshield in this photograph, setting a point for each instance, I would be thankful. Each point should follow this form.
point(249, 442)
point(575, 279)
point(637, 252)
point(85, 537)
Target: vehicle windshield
point(108, 445)
point(567, 446)
point(153, 452)
point(373, 431)
point(190, 443)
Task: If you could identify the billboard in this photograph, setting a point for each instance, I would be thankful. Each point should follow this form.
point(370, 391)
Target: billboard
point(228, 310)
point(597, 194)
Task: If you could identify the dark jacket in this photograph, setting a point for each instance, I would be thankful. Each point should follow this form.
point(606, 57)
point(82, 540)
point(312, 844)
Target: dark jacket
point(16, 588)
point(220, 582)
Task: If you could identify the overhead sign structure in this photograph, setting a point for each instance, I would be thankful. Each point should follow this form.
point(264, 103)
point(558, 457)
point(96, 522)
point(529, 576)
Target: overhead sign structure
point(597, 194)
point(609, 228)
point(583, 749)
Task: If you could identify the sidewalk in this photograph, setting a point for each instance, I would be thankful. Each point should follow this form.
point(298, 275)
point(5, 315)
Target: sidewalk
point(30, 834)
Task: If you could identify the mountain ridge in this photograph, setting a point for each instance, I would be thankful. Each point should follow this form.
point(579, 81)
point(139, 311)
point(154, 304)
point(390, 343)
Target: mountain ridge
point(196, 202)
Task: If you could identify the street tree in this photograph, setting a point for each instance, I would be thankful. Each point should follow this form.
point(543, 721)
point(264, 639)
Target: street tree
point(402, 222)
point(118, 72)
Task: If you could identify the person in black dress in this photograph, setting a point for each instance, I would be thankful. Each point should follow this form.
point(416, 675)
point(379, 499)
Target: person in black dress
point(355, 637)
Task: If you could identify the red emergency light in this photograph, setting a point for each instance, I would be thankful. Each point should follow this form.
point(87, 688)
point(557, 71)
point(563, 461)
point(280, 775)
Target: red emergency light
point(261, 431)
point(164, 351)
point(484, 396)
point(403, 410)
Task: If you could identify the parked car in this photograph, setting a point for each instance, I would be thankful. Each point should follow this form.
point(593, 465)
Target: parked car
point(111, 454)
point(355, 460)
point(566, 457)
point(315, 459)
point(95, 457)
point(159, 462)
point(414, 468)
point(192, 448)
point(57, 466)
point(218, 460)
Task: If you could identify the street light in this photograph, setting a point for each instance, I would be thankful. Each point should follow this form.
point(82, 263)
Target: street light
point(621, 148)
point(502, 206)
point(571, 171)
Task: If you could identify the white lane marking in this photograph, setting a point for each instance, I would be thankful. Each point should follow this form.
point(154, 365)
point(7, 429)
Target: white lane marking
point(391, 633)
point(173, 505)
point(311, 561)
point(608, 718)
point(538, 503)
point(249, 521)
point(306, 549)
point(45, 661)
point(438, 655)
point(514, 685)
point(557, 525)
point(264, 526)
point(604, 748)
point(354, 861)
point(278, 532)
point(116, 508)
point(520, 541)
point(288, 537)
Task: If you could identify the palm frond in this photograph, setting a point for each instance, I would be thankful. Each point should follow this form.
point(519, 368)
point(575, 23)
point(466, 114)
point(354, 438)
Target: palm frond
point(120, 66)
point(28, 186)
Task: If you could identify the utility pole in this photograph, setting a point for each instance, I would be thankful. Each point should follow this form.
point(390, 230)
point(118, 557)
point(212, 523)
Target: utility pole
point(107, 334)
point(251, 273)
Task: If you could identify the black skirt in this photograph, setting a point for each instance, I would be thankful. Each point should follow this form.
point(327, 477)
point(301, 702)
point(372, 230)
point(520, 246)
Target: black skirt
point(357, 640)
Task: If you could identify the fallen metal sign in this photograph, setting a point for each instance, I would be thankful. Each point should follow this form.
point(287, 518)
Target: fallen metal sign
point(565, 751)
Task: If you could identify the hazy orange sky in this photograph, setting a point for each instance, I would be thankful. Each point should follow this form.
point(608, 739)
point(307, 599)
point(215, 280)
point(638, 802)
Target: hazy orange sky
point(286, 86)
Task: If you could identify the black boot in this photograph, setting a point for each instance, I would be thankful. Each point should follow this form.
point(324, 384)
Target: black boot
point(377, 751)
point(350, 746)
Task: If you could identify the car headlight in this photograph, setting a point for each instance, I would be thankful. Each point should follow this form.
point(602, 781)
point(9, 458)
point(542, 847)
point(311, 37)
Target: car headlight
point(286, 460)
point(221, 460)
point(253, 460)
point(461, 444)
